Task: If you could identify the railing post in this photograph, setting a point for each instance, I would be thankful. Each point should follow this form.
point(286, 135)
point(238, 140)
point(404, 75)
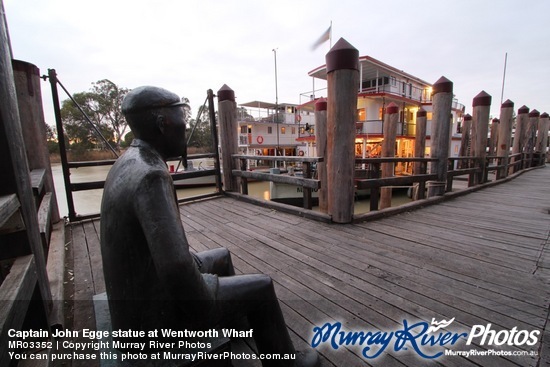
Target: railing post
point(472, 163)
point(542, 137)
point(505, 136)
point(375, 191)
point(450, 178)
point(244, 180)
point(420, 151)
point(214, 135)
point(321, 143)
point(519, 136)
point(530, 136)
point(480, 129)
point(465, 140)
point(421, 192)
point(227, 114)
point(307, 191)
point(494, 137)
point(391, 118)
point(52, 76)
point(342, 83)
point(441, 134)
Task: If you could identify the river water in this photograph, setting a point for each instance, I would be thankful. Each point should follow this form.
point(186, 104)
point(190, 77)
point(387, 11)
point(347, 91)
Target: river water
point(89, 201)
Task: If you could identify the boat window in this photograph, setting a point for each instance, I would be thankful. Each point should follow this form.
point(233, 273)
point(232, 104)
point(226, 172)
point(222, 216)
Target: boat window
point(283, 130)
point(361, 114)
point(270, 130)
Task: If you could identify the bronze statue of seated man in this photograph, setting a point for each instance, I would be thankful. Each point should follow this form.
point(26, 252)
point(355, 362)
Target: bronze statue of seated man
point(153, 281)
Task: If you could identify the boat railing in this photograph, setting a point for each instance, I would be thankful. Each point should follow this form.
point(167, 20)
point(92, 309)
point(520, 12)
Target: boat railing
point(306, 181)
point(377, 127)
point(397, 88)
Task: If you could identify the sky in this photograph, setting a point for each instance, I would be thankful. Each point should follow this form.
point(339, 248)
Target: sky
point(191, 46)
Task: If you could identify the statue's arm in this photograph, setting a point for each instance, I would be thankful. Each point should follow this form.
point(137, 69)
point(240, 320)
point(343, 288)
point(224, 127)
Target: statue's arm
point(158, 214)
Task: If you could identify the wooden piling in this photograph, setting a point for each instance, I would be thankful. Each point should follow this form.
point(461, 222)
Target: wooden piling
point(321, 143)
point(441, 134)
point(227, 117)
point(521, 128)
point(342, 84)
point(542, 137)
point(29, 100)
point(391, 118)
point(531, 136)
point(505, 135)
point(480, 128)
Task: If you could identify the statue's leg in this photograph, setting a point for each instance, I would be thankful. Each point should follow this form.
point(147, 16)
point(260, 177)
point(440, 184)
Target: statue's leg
point(216, 261)
point(253, 295)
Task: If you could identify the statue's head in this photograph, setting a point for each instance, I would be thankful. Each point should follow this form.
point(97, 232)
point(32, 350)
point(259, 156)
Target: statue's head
point(157, 116)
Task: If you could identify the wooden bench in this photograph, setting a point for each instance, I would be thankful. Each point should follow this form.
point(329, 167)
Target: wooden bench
point(103, 323)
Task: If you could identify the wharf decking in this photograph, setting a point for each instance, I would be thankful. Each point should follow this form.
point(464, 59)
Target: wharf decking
point(481, 258)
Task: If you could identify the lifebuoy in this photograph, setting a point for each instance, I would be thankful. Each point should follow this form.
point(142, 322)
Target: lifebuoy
point(260, 139)
point(301, 153)
point(298, 118)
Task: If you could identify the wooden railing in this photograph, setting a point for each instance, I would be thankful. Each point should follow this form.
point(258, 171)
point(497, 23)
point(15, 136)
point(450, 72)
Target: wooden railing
point(306, 181)
point(376, 183)
point(94, 185)
point(371, 167)
point(73, 187)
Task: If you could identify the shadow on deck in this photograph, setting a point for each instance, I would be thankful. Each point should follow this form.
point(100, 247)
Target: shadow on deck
point(481, 258)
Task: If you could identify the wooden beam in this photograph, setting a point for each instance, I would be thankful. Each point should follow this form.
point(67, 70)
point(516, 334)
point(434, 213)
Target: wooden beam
point(56, 271)
point(45, 219)
point(394, 181)
point(290, 180)
point(280, 158)
point(37, 180)
point(8, 207)
point(15, 292)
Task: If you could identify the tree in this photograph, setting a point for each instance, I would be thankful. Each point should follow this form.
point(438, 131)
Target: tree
point(102, 104)
point(199, 131)
point(107, 104)
point(51, 139)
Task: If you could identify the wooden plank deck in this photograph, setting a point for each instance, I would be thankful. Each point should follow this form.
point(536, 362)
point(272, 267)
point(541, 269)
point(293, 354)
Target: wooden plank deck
point(482, 258)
